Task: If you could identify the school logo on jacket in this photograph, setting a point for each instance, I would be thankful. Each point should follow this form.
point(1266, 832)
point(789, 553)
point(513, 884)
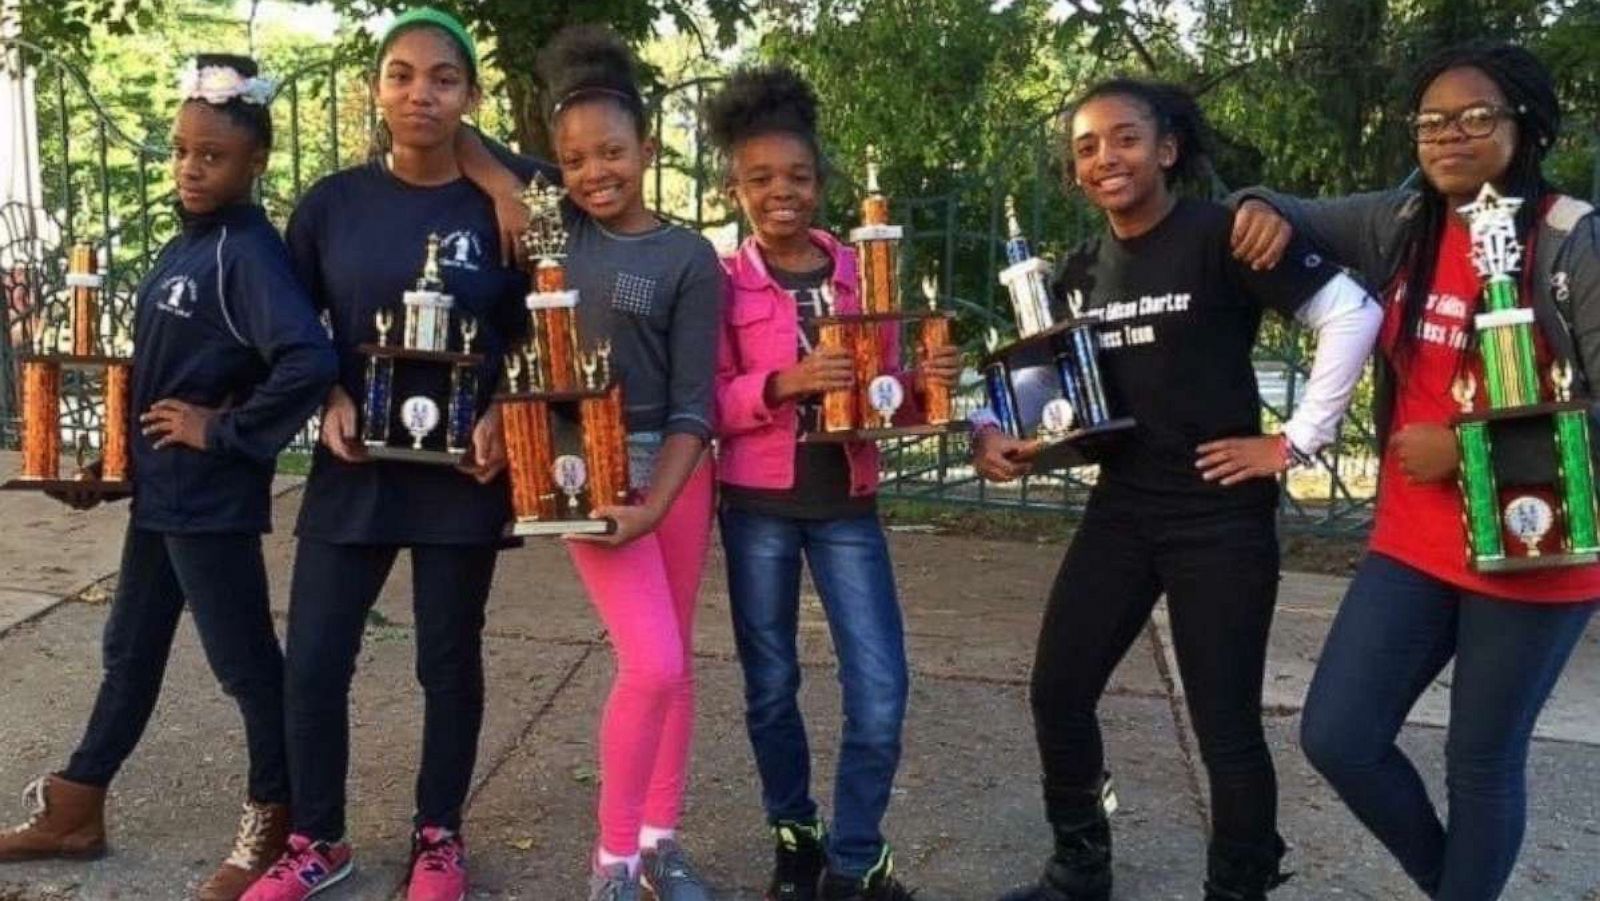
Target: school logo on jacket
point(461, 249)
point(177, 296)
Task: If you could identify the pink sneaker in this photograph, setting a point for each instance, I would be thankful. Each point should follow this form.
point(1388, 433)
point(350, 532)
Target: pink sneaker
point(438, 866)
point(305, 869)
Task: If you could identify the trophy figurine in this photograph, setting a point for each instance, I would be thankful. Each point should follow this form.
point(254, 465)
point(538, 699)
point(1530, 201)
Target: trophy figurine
point(1076, 420)
point(67, 346)
point(566, 438)
point(421, 398)
point(1527, 468)
point(875, 408)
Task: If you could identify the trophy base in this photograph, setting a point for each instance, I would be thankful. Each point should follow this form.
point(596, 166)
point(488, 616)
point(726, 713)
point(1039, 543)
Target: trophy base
point(412, 455)
point(1529, 564)
point(532, 528)
point(1079, 447)
point(107, 490)
point(910, 431)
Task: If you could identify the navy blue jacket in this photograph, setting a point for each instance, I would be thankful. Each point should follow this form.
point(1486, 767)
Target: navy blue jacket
point(222, 322)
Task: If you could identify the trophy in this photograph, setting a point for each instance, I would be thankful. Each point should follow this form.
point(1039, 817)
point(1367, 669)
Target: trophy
point(44, 373)
point(566, 439)
point(1077, 420)
point(436, 388)
point(1526, 474)
point(868, 410)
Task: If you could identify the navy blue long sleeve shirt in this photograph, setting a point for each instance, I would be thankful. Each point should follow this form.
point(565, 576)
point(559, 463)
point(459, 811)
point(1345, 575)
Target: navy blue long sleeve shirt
point(221, 321)
point(358, 239)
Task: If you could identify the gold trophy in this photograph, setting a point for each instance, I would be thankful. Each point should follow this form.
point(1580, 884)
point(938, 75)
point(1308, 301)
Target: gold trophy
point(566, 439)
point(70, 346)
point(869, 410)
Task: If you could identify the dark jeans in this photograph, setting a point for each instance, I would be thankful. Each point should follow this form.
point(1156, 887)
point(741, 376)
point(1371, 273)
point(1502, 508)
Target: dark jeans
point(224, 581)
point(335, 586)
point(1219, 571)
point(1396, 630)
point(850, 567)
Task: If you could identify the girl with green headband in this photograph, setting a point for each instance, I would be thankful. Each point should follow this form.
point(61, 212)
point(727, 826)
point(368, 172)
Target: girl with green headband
point(358, 239)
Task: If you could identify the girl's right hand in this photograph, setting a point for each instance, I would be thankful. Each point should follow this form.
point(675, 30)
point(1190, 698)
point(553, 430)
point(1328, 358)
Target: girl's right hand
point(339, 427)
point(1000, 458)
point(824, 369)
point(1260, 235)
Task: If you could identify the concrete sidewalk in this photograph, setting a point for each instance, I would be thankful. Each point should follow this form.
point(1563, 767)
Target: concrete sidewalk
point(966, 819)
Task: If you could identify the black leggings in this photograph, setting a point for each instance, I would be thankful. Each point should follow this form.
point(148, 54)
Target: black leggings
point(335, 585)
point(1219, 571)
point(224, 581)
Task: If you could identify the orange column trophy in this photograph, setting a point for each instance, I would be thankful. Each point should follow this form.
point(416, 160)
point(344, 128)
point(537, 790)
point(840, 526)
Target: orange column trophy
point(86, 356)
point(566, 440)
point(872, 409)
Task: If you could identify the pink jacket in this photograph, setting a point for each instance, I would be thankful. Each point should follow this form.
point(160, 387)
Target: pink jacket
point(758, 338)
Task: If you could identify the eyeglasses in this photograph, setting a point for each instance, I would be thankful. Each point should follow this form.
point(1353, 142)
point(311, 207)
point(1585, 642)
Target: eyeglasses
point(1476, 121)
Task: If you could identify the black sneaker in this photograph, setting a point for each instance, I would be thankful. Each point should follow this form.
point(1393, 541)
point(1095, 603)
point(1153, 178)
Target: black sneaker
point(797, 861)
point(878, 885)
point(1079, 870)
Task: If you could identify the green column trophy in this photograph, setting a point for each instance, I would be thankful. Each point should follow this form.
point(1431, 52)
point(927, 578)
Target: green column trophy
point(1527, 472)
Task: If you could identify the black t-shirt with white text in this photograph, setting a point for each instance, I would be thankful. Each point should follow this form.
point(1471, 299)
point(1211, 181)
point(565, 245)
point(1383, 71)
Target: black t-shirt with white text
point(1179, 319)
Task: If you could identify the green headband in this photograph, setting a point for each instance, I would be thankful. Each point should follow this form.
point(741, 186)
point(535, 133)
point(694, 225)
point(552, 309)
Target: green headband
point(427, 15)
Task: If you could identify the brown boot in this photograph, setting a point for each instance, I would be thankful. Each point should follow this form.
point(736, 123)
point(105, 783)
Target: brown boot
point(263, 835)
point(68, 821)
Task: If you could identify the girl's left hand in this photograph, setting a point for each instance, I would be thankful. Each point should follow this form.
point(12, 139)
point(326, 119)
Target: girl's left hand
point(1234, 460)
point(942, 367)
point(172, 422)
point(633, 521)
point(487, 458)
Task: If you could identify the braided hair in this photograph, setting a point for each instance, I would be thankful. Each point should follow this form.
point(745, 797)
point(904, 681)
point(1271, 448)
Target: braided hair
point(1530, 92)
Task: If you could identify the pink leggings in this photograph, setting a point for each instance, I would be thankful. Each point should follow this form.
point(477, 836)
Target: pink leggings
point(645, 593)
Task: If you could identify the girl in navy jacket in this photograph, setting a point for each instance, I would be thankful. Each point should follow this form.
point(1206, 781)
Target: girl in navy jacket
point(229, 363)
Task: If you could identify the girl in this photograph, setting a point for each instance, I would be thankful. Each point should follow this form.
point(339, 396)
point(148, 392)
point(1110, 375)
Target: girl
point(1186, 505)
point(1480, 114)
point(781, 498)
point(358, 239)
point(654, 290)
point(229, 363)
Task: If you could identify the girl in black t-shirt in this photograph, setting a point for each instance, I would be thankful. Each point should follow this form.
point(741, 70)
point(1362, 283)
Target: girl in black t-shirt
point(1185, 506)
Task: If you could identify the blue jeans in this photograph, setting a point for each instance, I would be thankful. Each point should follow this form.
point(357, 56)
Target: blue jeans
point(850, 566)
point(1395, 631)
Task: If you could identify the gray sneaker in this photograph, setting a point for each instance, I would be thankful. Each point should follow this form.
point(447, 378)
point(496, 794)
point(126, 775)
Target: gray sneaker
point(670, 876)
point(614, 884)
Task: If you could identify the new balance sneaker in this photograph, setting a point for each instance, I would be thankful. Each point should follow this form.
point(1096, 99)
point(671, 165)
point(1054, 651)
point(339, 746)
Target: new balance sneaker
point(670, 876)
point(308, 867)
point(614, 883)
point(438, 866)
point(797, 861)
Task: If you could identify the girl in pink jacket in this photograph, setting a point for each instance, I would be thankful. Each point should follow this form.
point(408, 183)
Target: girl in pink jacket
point(782, 499)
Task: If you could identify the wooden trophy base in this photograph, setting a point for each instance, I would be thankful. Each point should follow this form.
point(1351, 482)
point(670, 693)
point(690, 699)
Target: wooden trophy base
point(1529, 564)
point(106, 490)
point(545, 528)
point(1079, 447)
point(413, 455)
point(884, 434)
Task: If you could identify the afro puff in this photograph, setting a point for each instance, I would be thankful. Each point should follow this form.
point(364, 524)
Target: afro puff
point(590, 62)
point(762, 100)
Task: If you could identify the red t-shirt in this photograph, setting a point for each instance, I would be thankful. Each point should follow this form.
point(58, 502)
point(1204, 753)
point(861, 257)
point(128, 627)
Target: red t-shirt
point(1422, 525)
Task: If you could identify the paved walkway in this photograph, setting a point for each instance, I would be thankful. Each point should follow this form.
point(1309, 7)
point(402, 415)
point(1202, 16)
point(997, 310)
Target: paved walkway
point(966, 814)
